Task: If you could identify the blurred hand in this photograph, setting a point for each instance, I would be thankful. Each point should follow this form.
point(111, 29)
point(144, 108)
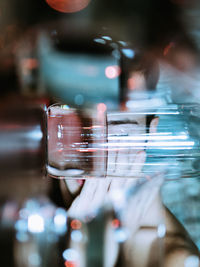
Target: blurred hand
point(90, 199)
point(95, 193)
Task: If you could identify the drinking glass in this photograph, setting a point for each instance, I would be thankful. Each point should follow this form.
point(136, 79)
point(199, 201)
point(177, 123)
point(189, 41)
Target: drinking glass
point(74, 142)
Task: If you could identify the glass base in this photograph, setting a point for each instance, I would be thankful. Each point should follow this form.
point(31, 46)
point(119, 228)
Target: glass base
point(56, 173)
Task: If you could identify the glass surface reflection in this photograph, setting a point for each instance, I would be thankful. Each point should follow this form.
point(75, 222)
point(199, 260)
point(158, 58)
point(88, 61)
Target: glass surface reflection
point(74, 142)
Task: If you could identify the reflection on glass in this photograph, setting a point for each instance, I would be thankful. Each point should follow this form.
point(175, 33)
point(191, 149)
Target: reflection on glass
point(135, 143)
point(74, 142)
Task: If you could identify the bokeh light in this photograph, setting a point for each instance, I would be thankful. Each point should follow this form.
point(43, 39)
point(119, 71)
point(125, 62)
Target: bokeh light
point(112, 72)
point(35, 223)
point(115, 223)
point(60, 221)
point(68, 6)
point(129, 53)
point(70, 264)
point(76, 235)
point(121, 235)
point(76, 224)
point(70, 255)
point(21, 225)
point(101, 107)
point(60, 217)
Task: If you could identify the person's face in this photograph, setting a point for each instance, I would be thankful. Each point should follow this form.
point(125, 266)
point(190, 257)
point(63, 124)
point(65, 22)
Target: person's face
point(124, 144)
point(126, 138)
point(124, 153)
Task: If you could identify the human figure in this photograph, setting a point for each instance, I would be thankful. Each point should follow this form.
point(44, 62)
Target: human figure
point(144, 212)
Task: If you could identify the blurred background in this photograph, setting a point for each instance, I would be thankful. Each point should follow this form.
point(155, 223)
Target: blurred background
point(166, 28)
point(37, 40)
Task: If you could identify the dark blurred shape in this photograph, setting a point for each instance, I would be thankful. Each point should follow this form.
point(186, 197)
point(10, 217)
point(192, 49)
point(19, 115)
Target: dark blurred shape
point(74, 61)
point(182, 55)
point(22, 138)
point(150, 25)
point(147, 23)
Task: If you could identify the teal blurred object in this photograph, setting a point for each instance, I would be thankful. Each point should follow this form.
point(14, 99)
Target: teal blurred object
point(181, 190)
point(179, 151)
point(80, 72)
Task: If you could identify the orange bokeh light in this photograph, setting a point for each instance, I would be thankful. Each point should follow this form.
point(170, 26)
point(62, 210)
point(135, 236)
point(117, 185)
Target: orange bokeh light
point(115, 223)
point(76, 224)
point(70, 264)
point(68, 6)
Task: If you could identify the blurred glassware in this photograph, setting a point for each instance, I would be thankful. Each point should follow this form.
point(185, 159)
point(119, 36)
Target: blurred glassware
point(70, 62)
point(116, 141)
point(181, 154)
point(79, 69)
point(38, 228)
point(35, 230)
point(77, 64)
point(41, 234)
point(74, 142)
